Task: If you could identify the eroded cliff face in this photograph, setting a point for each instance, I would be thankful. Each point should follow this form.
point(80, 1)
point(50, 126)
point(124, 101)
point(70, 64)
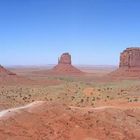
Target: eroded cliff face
point(130, 58)
point(129, 66)
point(65, 59)
point(65, 67)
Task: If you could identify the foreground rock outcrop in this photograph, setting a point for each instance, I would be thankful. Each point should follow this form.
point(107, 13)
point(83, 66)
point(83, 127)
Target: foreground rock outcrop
point(53, 121)
point(129, 64)
point(65, 66)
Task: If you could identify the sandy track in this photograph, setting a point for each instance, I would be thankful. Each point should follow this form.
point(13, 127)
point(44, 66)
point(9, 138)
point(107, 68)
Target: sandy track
point(8, 112)
point(105, 107)
point(12, 111)
point(50, 121)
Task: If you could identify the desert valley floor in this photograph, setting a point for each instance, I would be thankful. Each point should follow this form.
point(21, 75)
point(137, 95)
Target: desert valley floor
point(95, 106)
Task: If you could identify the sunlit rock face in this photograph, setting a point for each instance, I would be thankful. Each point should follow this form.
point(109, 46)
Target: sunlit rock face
point(65, 59)
point(65, 66)
point(130, 58)
point(129, 66)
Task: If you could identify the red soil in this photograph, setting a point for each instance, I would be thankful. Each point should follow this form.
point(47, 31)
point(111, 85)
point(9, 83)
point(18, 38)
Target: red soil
point(44, 121)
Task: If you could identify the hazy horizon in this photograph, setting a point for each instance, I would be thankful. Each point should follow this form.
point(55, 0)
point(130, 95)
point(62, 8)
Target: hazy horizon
point(52, 65)
point(94, 32)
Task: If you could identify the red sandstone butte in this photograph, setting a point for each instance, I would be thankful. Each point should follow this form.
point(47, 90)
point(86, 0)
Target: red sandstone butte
point(65, 59)
point(129, 63)
point(65, 66)
point(130, 58)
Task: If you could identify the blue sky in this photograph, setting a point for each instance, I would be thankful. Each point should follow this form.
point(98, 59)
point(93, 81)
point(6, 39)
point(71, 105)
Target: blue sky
point(36, 32)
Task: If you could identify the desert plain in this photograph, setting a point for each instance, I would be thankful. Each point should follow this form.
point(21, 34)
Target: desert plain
point(66, 102)
point(38, 106)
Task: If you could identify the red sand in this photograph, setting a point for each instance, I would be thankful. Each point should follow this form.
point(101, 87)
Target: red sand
point(44, 121)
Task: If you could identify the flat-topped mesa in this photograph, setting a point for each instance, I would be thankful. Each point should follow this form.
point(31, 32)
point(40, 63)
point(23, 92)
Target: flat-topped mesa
point(129, 66)
point(130, 58)
point(65, 59)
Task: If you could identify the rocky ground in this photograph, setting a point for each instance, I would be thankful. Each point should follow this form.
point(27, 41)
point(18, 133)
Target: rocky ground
point(55, 121)
point(70, 108)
